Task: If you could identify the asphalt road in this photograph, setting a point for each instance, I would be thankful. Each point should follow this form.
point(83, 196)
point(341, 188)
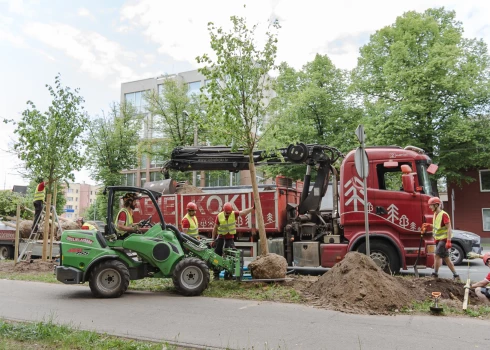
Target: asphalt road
point(477, 271)
point(233, 324)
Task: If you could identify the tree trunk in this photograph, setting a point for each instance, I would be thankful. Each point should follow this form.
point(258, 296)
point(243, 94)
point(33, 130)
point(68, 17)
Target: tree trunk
point(264, 248)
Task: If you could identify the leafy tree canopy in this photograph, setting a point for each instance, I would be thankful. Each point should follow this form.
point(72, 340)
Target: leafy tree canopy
point(112, 144)
point(50, 142)
point(426, 85)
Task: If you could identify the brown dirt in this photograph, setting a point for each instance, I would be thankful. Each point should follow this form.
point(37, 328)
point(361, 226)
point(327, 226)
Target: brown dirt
point(36, 265)
point(186, 188)
point(268, 266)
point(358, 285)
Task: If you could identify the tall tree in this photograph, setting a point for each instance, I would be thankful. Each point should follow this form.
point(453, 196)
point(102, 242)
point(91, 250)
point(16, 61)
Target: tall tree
point(313, 106)
point(238, 89)
point(177, 118)
point(112, 144)
point(50, 142)
point(426, 85)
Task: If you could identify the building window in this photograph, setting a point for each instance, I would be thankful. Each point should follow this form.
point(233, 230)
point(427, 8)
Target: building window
point(129, 179)
point(485, 180)
point(143, 179)
point(486, 219)
point(137, 99)
point(69, 199)
point(194, 88)
point(156, 176)
point(69, 207)
point(76, 191)
point(70, 190)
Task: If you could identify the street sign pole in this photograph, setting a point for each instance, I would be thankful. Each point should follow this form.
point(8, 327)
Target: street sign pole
point(362, 167)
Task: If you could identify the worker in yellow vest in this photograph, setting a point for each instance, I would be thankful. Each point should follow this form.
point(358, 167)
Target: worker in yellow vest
point(189, 222)
point(225, 227)
point(441, 228)
point(85, 225)
point(124, 219)
point(38, 201)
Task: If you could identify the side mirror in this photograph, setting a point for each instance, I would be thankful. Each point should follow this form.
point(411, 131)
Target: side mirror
point(408, 183)
point(432, 169)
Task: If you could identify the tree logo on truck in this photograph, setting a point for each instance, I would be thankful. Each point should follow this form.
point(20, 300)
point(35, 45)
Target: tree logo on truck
point(351, 189)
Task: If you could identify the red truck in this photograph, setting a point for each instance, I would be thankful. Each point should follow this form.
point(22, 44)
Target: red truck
point(305, 223)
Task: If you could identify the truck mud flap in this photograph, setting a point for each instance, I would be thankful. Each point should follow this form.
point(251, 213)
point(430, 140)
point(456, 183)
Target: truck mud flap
point(68, 275)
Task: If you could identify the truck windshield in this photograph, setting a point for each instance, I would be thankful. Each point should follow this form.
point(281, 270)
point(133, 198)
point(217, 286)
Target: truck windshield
point(423, 176)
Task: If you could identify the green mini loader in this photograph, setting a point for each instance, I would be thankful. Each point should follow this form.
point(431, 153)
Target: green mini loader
point(108, 262)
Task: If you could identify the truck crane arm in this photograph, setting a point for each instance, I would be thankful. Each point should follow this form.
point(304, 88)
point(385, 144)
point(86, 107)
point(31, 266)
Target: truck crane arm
point(223, 158)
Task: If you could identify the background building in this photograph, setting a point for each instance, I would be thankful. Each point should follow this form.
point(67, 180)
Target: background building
point(149, 169)
point(469, 204)
point(78, 198)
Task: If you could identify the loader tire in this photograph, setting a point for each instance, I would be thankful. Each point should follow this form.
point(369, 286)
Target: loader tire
point(191, 276)
point(109, 279)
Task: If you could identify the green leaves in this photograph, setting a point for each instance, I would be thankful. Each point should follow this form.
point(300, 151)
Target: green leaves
point(426, 85)
point(112, 144)
point(50, 142)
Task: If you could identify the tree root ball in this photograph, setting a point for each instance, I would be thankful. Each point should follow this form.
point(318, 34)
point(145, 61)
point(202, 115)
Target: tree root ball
point(268, 266)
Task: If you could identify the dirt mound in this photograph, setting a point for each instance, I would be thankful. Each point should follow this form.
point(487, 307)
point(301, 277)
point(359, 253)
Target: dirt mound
point(357, 284)
point(268, 266)
point(188, 189)
point(36, 265)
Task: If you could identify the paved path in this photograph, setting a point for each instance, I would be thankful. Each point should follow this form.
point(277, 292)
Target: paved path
point(234, 324)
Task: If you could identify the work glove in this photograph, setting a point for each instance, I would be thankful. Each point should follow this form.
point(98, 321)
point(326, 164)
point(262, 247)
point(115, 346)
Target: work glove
point(213, 244)
point(448, 244)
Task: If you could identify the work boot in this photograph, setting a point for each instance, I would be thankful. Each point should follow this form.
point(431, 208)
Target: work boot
point(434, 274)
point(456, 278)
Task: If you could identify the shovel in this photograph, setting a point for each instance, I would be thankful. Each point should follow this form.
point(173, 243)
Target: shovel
point(415, 270)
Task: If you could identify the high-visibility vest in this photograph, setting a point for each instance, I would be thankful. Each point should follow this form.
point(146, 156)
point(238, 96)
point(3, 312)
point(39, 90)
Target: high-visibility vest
point(39, 195)
point(226, 226)
point(193, 229)
point(86, 226)
point(129, 221)
point(439, 232)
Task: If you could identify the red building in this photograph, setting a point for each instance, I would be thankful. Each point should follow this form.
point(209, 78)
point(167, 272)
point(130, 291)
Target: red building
point(469, 204)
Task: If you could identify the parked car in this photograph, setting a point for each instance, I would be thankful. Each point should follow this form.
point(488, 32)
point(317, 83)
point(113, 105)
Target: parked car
point(463, 242)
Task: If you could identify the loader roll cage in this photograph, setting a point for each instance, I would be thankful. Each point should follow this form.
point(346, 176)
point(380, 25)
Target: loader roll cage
point(110, 191)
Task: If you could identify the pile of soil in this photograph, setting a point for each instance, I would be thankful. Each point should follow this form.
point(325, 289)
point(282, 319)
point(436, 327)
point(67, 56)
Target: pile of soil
point(358, 285)
point(36, 265)
point(186, 188)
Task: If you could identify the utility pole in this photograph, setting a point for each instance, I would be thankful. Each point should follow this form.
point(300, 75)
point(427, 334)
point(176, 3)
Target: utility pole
point(194, 173)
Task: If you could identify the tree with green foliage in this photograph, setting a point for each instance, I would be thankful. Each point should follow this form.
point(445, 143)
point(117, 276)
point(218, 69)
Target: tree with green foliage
point(9, 201)
point(50, 142)
point(426, 85)
point(112, 144)
point(177, 116)
point(237, 93)
point(312, 106)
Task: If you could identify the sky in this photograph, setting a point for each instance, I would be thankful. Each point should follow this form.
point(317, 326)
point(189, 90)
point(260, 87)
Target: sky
point(97, 45)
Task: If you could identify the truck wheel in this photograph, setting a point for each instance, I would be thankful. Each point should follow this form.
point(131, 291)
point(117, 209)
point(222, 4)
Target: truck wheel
point(191, 276)
point(456, 255)
point(109, 279)
point(384, 255)
point(6, 252)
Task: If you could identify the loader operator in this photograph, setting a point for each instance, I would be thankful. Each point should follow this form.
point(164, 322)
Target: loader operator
point(225, 227)
point(441, 225)
point(124, 219)
point(189, 222)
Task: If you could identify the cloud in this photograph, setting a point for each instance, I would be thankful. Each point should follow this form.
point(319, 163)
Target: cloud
point(83, 12)
point(97, 55)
